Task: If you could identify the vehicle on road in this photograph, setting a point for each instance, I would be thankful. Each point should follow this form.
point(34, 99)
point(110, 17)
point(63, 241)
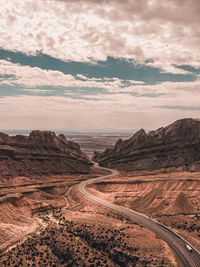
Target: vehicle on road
point(189, 256)
point(188, 248)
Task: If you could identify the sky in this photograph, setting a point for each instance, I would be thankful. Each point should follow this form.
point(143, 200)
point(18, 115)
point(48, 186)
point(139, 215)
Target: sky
point(97, 65)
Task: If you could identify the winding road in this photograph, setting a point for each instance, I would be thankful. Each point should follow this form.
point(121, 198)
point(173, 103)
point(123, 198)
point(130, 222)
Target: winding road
point(189, 257)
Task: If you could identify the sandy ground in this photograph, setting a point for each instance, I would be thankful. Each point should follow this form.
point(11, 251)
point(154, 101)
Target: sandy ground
point(173, 199)
point(85, 234)
point(51, 224)
point(22, 198)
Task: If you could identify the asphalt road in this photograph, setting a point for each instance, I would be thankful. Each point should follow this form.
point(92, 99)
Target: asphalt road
point(188, 258)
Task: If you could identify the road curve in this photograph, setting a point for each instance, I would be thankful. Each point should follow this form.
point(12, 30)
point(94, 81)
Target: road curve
point(188, 258)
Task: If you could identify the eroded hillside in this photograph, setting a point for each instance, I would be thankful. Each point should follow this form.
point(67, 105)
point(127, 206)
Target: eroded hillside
point(175, 145)
point(65, 229)
point(40, 153)
point(171, 198)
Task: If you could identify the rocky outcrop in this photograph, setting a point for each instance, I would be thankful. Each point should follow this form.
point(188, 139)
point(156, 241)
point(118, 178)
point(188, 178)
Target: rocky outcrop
point(175, 145)
point(40, 153)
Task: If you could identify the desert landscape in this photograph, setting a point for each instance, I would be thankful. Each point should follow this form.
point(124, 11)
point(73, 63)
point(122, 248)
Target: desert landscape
point(172, 199)
point(100, 133)
point(46, 221)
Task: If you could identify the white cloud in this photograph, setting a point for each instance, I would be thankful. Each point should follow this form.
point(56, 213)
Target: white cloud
point(27, 76)
point(32, 77)
point(168, 32)
point(116, 111)
point(36, 90)
point(167, 67)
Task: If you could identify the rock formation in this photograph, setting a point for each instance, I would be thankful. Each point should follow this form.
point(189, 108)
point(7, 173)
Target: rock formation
point(40, 153)
point(175, 145)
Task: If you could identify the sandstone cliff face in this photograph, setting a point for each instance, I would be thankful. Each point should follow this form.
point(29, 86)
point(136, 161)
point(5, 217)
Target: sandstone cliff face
point(40, 153)
point(175, 145)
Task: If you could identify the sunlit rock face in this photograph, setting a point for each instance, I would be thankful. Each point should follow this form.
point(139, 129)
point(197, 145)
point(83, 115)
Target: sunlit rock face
point(175, 145)
point(42, 152)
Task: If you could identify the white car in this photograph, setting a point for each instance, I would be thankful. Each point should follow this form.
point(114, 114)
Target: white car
point(188, 248)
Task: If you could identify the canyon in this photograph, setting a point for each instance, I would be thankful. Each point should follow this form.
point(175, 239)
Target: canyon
point(45, 221)
point(177, 145)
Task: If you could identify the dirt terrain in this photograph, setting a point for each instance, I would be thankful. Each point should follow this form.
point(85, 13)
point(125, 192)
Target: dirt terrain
point(46, 222)
point(171, 198)
point(23, 197)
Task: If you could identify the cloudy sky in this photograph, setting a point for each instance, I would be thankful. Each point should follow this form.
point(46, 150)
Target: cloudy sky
point(98, 64)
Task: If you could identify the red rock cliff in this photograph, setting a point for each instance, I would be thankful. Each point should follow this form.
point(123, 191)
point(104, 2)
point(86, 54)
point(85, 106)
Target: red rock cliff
point(175, 145)
point(40, 153)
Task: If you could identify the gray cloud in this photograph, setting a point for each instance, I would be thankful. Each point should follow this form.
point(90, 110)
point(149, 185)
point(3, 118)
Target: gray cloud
point(195, 108)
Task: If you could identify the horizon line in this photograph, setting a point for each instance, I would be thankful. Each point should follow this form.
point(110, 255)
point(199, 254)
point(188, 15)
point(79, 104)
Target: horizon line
point(71, 131)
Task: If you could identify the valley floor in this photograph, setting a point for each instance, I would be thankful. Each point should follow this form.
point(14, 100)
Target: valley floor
point(46, 222)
